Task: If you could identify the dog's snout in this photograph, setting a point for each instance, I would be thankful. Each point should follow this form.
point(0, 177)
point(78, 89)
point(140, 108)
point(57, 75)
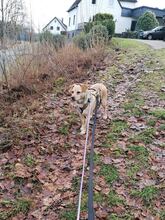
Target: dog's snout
point(73, 98)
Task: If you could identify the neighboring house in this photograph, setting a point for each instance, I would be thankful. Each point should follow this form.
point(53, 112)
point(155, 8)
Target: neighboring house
point(55, 26)
point(125, 13)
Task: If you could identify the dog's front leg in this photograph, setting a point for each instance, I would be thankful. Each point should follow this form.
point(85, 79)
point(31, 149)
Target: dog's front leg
point(83, 124)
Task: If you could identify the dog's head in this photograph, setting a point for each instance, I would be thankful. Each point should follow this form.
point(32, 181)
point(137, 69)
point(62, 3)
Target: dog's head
point(78, 92)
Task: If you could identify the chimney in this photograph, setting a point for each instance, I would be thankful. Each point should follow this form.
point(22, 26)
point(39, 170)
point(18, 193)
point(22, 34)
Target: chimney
point(62, 19)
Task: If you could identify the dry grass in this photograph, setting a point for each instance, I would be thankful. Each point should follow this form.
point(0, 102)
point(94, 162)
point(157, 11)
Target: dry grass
point(38, 65)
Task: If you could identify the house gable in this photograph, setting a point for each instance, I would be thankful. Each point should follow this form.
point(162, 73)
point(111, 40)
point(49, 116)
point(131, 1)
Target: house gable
point(76, 3)
point(59, 21)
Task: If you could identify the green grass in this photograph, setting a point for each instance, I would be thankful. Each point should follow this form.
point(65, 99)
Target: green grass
point(99, 197)
point(14, 208)
point(132, 170)
point(126, 216)
point(147, 194)
point(145, 136)
point(151, 122)
point(158, 113)
point(109, 172)
point(133, 105)
point(114, 199)
point(141, 153)
point(116, 128)
point(162, 127)
point(69, 215)
point(162, 214)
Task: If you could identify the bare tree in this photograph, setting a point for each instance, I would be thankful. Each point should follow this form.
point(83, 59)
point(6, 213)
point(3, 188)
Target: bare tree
point(12, 16)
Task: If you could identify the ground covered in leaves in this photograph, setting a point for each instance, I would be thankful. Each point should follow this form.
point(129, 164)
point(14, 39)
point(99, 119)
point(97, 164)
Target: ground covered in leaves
point(41, 149)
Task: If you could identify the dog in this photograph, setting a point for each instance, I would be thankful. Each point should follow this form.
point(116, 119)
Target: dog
point(84, 96)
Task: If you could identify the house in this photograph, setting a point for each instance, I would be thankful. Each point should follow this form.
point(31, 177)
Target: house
point(125, 12)
point(55, 26)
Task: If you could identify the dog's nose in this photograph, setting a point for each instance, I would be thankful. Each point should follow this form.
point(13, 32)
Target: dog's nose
point(73, 98)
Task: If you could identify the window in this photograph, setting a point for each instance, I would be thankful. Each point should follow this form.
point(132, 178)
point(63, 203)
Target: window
point(74, 18)
point(69, 21)
point(93, 1)
point(51, 27)
point(58, 28)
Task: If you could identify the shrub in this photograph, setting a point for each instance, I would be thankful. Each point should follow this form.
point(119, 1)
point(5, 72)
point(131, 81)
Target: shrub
point(147, 21)
point(81, 41)
point(57, 41)
point(102, 19)
point(130, 34)
point(98, 35)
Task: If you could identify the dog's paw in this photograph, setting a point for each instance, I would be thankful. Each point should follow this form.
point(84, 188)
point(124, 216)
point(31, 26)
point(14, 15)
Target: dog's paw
point(105, 117)
point(82, 132)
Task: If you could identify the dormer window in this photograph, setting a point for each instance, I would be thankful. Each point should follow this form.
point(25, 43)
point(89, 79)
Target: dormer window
point(93, 1)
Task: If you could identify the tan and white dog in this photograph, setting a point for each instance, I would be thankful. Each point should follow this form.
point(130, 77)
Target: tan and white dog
point(83, 96)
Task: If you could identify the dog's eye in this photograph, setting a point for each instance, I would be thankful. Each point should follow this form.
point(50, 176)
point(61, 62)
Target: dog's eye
point(78, 92)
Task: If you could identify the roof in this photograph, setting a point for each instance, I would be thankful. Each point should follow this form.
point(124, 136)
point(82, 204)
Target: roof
point(137, 12)
point(74, 5)
point(62, 24)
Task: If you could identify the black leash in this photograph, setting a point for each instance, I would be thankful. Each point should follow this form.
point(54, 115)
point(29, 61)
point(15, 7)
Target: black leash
point(91, 214)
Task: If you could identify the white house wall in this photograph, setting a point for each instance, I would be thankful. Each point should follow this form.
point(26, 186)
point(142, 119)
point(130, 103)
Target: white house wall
point(87, 10)
point(55, 23)
point(123, 24)
point(72, 26)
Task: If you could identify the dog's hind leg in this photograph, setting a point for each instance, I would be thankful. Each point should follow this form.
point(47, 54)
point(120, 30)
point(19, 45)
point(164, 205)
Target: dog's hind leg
point(104, 104)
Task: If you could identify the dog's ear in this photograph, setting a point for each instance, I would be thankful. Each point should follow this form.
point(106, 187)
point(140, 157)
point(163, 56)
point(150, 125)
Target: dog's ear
point(84, 87)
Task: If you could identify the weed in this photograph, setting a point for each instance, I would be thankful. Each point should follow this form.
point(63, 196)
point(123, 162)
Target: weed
point(151, 122)
point(118, 152)
point(29, 160)
point(97, 159)
point(59, 82)
point(109, 172)
point(64, 129)
point(75, 183)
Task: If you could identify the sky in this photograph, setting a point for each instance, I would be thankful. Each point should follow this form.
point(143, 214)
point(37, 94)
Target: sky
point(42, 11)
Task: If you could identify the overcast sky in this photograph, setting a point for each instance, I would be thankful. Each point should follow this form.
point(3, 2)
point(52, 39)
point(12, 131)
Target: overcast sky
point(42, 11)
